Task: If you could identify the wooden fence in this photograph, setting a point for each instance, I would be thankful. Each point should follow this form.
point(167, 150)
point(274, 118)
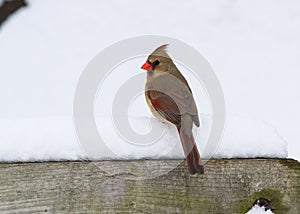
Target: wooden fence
point(149, 186)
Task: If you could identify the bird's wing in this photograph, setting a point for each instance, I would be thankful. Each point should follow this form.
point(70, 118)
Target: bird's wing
point(171, 98)
point(165, 106)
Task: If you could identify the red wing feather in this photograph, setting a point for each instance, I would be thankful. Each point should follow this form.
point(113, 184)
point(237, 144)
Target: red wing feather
point(166, 107)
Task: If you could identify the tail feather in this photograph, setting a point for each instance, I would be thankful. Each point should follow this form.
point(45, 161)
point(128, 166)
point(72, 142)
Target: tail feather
point(191, 152)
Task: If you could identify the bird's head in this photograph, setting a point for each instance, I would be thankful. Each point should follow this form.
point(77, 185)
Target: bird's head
point(158, 60)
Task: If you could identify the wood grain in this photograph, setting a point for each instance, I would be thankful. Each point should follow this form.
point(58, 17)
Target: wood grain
point(228, 186)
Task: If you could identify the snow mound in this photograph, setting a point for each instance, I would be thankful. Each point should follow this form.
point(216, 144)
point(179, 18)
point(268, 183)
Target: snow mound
point(259, 210)
point(42, 139)
point(250, 138)
point(38, 139)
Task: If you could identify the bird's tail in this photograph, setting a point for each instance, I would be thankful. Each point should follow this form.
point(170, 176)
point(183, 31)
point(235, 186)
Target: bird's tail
point(191, 152)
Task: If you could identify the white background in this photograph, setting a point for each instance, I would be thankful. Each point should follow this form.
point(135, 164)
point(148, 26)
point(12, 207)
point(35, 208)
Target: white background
point(253, 46)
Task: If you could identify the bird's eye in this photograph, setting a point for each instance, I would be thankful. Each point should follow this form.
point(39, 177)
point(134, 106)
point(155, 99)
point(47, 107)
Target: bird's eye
point(156, 62)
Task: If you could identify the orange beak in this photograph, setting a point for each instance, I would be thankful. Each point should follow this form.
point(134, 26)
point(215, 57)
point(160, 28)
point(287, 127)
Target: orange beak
point(147, 66)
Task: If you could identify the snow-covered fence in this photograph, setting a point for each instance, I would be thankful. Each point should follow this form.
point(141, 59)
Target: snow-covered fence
point(229, 186)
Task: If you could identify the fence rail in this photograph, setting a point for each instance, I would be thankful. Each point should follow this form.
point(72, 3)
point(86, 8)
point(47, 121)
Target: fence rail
point(141, 186)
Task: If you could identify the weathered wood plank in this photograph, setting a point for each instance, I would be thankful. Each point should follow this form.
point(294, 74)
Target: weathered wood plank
point(229, 186)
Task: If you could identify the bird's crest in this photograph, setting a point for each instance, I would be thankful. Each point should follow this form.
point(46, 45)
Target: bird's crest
point(161, 51)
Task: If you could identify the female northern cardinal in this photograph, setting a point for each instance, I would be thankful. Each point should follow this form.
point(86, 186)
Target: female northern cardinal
point(170, 99)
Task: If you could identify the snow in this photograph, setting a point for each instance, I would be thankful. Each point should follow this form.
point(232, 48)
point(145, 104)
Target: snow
point(53, 138)
point(252, 45)
point(259, 210)
point(245, 137)
point(38, 139)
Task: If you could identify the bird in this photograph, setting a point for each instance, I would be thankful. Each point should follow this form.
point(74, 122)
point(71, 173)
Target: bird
point(170, 100)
